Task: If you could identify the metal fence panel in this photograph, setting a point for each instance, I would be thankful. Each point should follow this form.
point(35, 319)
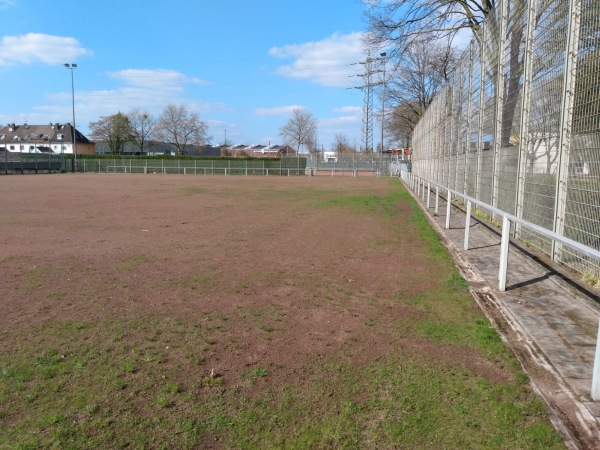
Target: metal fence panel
point(518, 124)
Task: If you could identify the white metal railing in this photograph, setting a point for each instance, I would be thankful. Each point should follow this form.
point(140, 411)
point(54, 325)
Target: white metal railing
point(243, 170)
point(423, 189)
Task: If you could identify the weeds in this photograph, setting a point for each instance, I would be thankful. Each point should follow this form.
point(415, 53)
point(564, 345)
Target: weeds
point(590, 277)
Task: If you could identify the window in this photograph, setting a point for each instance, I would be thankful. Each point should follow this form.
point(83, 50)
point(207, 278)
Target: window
point(15, 138)
point(2, 136)
point(60, 136)
point(26, 136)
point(12, 147)
point(31, 147)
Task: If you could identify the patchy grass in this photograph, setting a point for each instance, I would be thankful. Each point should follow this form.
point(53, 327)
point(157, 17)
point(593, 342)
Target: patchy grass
point(152, 376)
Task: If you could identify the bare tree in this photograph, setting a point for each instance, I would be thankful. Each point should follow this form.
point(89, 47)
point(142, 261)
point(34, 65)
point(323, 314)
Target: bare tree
point(115, 130)
point(142, 128)
point(341, 144)
point(312, 144)
point(180, 128)
point(421, 72)
point(398, 23)
point(402, 121)
point(300, 129)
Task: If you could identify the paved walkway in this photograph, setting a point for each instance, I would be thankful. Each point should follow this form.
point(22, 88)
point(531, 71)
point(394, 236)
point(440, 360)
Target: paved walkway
point(550, 322)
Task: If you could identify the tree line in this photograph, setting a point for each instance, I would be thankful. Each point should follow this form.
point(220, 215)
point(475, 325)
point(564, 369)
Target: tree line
point(176, 126)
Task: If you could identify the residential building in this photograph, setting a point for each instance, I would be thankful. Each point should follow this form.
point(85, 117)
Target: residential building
point(261, 151)
point(53, 138)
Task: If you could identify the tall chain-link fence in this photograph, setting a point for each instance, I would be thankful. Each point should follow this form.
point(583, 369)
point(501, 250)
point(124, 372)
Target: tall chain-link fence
point(518, 124)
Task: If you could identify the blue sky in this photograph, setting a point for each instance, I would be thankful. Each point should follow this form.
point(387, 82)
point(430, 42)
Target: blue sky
point(242, 65)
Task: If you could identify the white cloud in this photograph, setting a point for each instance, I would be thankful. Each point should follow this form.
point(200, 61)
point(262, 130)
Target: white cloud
point(155, 79)
point(147, 90)
point(463, 38)
point(348, 109)
point(328, 62)
point(35, 47)
point(4, 4)
point(277, 111)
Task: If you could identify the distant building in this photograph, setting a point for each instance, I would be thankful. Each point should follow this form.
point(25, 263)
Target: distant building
point(260, 151)
point(52, 138)
point(157, 148)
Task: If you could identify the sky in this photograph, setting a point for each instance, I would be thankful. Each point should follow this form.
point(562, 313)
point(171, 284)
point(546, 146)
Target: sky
point(242, 65)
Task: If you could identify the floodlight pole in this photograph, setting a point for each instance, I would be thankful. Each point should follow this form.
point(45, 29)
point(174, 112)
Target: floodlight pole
point(72, 67)
point(383, 55)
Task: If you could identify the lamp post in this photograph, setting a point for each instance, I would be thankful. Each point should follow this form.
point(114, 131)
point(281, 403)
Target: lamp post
point(383, 55)
point(5, 153)
point(144, 120)
point(72, 67)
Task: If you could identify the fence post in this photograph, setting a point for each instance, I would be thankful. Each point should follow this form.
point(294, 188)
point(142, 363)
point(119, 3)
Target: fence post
point(499, 102)
point(466, 138)
point(560, 204)
point(481, 115)
point(524, 127)
point(504, 253)
point(437, 199)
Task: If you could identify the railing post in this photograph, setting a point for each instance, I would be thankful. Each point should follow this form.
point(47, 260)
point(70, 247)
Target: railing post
point(448, 207)
point(467, 225)
point(504, 253)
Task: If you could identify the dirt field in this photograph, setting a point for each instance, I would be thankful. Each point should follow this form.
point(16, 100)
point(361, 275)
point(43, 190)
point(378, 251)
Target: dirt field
point(245, 287)
point(77, 248)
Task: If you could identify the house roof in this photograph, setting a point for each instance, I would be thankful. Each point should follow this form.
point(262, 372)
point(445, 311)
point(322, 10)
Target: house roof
point(37, 134)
